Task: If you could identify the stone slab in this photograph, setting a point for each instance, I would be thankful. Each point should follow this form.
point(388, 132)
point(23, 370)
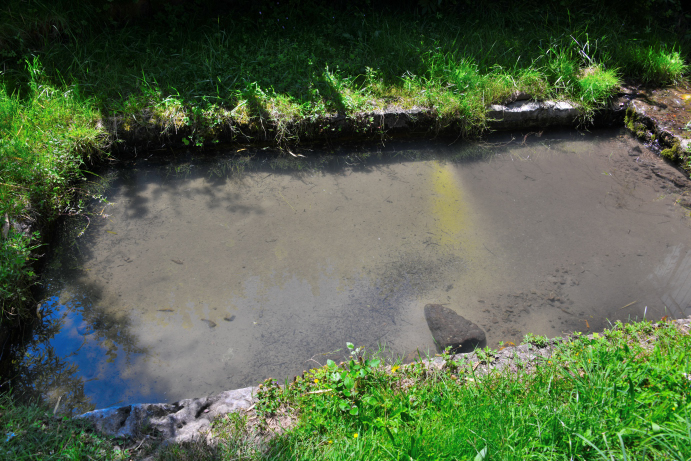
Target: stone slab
point(181, 421)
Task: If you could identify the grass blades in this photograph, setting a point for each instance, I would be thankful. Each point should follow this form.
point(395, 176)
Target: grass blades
point(226, 70)
point(621, 394)
point(32, 433)
point(45, 139)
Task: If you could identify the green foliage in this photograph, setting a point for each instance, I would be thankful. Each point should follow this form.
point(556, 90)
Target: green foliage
point(16, 273)
point(30, 433)
point(535, 340)
point(618, 394)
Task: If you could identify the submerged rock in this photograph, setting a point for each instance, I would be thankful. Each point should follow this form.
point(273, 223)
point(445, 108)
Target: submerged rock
point(451, 330)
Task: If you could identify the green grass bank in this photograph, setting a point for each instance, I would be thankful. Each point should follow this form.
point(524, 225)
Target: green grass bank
point(621, 394)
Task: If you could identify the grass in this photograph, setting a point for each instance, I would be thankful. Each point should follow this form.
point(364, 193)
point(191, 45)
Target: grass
point(219, 72)
point(45, 139)
point(621, 394)
point(33, 433)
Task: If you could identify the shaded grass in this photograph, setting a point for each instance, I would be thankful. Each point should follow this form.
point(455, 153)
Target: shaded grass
point(224, 71)
point(32, 433)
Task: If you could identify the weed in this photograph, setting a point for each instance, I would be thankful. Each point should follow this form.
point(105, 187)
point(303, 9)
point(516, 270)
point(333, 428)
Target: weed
point(536, 340)
point(486, 355)
point(16, 273)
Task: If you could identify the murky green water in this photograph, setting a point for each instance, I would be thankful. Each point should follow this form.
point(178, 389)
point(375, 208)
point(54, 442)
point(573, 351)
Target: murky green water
point(198, 276)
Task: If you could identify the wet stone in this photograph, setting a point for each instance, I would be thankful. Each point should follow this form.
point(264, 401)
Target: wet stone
point(452, 330)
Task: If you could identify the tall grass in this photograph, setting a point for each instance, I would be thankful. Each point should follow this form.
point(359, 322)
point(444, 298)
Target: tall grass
point(348, 61)
point(223, 70)
point(45, 138)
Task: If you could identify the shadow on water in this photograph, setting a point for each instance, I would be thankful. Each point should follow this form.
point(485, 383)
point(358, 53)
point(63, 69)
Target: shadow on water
point(73, 330)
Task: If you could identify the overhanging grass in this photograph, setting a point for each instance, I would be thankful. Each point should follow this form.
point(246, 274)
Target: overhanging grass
point(45, 139)
point(224, 70)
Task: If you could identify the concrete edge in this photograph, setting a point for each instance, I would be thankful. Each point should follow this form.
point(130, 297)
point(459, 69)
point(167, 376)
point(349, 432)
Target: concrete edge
point(145, 131)
point(180, 421)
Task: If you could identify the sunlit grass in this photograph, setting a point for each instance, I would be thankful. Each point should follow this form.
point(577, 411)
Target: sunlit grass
point(596, 84)
point(665, 66)
point(45, 139)
point(620, 394)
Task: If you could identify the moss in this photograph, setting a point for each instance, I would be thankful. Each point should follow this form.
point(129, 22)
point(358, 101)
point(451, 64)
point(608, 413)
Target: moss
point(639, 129)
point(630, 118)
point(673, 153)
point(631, 121)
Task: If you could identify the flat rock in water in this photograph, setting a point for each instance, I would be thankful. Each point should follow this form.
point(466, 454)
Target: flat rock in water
point(450, 329)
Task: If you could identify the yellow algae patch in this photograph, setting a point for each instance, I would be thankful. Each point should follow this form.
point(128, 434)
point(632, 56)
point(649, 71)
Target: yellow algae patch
point(280, 252)
point(449, 210)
